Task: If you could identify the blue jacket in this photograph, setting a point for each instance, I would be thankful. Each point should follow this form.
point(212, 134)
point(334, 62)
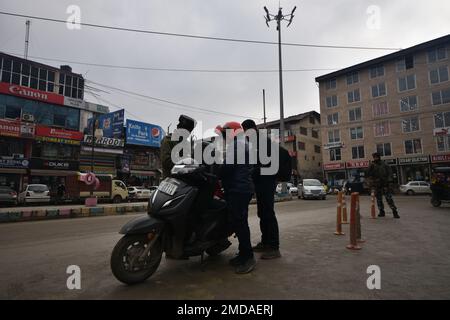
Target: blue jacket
point(238, 177)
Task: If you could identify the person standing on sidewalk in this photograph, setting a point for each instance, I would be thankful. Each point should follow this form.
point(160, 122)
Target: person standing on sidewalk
point(265, 186)
point(238, 187)
point(380, 175)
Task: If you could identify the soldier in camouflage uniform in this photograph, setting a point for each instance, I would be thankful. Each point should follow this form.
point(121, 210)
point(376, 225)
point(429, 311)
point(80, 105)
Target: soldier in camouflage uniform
point(184, 122)
point(380, 177)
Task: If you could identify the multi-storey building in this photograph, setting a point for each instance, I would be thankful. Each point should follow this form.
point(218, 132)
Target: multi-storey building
point(398, 105)
point(302, 140)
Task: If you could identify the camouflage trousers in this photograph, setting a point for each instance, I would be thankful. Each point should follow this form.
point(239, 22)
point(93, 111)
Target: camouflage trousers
point(379, 192)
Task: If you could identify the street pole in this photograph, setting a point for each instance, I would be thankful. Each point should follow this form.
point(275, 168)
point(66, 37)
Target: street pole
point(92, 150)
point(264, 107)
point(280, 17)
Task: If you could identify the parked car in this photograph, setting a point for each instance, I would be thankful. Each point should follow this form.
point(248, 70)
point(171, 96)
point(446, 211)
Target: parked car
point(293, 190)
point(35, 193)
point(139, 193)
point(414, 187)
point(8, 195)
point(311, 189)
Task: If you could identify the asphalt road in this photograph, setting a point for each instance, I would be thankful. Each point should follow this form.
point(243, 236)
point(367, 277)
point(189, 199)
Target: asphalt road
point(412, 253)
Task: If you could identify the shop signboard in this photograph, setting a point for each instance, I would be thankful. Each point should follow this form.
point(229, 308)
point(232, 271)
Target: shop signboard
point(28, 93)
point(440, 158)
point(111, 124)
point(390, 162)
point(57, 135)
point(145, 134)
point(413, 160)
point(441, 131)
point(333, 145)
point(333, 166)
point(9, 162)
point(104, 141)
point(358, 164)
point(14, 128)
point(54, 164)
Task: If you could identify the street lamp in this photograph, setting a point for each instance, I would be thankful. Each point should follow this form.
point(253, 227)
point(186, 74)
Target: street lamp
point(278, 18)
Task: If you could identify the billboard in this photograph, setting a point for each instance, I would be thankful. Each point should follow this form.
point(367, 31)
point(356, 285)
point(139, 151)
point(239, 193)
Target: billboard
point(144, 134)
point(111, 124)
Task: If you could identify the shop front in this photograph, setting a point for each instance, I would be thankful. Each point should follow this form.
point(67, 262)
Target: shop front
point(11, 172)
point(440, 160)
point(335, 174)
point(414, 169)
point(356, 170)
point(392, 163)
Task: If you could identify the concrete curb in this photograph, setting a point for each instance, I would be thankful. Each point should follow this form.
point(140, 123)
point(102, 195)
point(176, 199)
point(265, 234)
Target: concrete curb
point(66, 213)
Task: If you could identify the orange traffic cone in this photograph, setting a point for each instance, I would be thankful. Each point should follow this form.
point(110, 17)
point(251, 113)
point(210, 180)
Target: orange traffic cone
point(338, 215)
point(353, 236)
point(372, 207)
point(344, 209)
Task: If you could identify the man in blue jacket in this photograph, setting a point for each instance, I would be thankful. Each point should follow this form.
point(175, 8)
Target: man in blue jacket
point(238, 187)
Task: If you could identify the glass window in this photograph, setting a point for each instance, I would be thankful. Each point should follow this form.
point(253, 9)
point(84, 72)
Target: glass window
point(42, 85)
point(34, 72)
point(382, 129)
point(315, 133)
point(26, 69)
point(358, 152)
point(303, 131)
point(443, 143)
point(51, 76)
point(442, 119)
point(12, 112)
point(353, 96)
point(15, 78)
point(440, 97)
point(334, 136)
point(301, 145)
point(317, 149)
point(437, 54)
point(413, 146)
point(380, 109)
point(330, 84)
point(439, 75)
point(408, 103)
point(6, 76)
point(407, 83)
point(16, 67)
point(384, 149)
point(355, 114)
point(333, 118)
point(379, 90)
point(335, 155)
point(331, 101)
point(377, 71)
point(43, 74)
point(356, 133)
point(25, 81)
point(352, 78)
point(7, 64)
point(33, 83)
point(410, 124)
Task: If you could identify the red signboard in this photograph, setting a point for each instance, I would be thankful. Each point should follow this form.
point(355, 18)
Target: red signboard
point(43, 131)
point(14, 128)
point(440, 158)
point(358, 164)
point(334, 166)
point(29, 93)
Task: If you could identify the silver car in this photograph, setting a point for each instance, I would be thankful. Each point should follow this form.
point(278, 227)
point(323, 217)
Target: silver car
point(35, 193)
point(414, 187)
point(139, 193)
point(311, 189)
point(8, 195)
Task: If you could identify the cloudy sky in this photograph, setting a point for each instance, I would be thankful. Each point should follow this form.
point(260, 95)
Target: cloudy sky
point(402, 23)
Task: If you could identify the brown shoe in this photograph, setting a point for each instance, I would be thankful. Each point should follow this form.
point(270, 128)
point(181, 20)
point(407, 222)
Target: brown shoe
point(260, 247)
point(271, 254)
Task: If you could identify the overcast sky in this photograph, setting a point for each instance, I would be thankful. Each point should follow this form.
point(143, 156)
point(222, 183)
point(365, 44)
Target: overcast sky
point(403, 23)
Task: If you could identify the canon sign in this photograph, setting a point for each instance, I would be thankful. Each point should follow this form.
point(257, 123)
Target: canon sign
point(21, 91)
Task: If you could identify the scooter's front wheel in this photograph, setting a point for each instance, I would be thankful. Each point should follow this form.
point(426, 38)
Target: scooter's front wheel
point(130, 263)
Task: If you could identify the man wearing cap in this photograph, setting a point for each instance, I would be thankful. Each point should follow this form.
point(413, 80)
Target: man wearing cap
point(184, 122)
point(380, 175)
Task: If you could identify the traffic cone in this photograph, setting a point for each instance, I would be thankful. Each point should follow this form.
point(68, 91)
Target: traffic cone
point(358, 223)
point(338, 215)
point(344, 209)
point(373, 214)
point(353, 236)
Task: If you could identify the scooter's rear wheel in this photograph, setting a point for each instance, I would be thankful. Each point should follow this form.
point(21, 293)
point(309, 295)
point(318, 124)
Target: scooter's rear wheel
point(126, 262)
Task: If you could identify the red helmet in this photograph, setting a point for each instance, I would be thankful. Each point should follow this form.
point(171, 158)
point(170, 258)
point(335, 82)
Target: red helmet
point(233, 125)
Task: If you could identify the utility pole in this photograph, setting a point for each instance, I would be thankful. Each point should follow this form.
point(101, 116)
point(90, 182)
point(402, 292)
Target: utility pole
point(27, 38)
point(264, 107)
point(278, 18)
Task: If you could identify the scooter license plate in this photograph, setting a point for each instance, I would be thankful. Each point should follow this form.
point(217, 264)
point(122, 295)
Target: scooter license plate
point(168, 188)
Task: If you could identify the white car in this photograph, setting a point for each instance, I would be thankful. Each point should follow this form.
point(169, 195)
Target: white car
point(38, 193)
point(414, 187)
point(311, 189)
point(139, 193)
point(293, 190)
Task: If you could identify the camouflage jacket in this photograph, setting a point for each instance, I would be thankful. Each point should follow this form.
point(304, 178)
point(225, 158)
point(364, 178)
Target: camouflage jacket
point(379, 174)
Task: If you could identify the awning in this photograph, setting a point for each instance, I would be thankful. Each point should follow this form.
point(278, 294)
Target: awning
point(143, 173)
point(53, 173)
point(15, 171)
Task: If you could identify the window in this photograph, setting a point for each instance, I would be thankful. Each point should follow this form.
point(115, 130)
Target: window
point(59, 120)
point(440, 97)
point(312, 120)
point(12, 112)
point(413, 146)
point(333, 118)
point(6, 70)
point(335, 155)
point(354, 114)
point(384, 149)
point(442, 119)
point(437, 54)
point(410, 124)
point(439, 75)
point(317, 149)
point(380, 109)
point(301, 145)
point(352, 78)
point(377, 71)
point(331, 84)
point(71, 86)
point(334, 136)
point(356, 133)
point(332, 101)
point(407, 83)
point(303, 131)
point(405, 64)
point(408, 104)
point(382, 129)
point(353, 96)
point(379, 90)
point(443, 143)
point(315, 133)
point(358, 152)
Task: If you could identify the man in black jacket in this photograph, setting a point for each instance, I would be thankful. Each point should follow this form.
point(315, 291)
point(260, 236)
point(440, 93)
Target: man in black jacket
point(265, 186)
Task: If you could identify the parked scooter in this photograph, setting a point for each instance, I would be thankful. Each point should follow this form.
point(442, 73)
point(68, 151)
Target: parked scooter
point(185, 219)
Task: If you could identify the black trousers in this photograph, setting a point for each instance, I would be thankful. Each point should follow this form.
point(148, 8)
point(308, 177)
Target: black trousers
point(238, 205)
point(265, 192)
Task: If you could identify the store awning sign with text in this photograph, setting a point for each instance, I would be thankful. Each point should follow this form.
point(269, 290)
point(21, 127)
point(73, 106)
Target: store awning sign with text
point(145, 134)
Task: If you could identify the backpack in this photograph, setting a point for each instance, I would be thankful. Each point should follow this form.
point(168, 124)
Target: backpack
point(285, 165)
